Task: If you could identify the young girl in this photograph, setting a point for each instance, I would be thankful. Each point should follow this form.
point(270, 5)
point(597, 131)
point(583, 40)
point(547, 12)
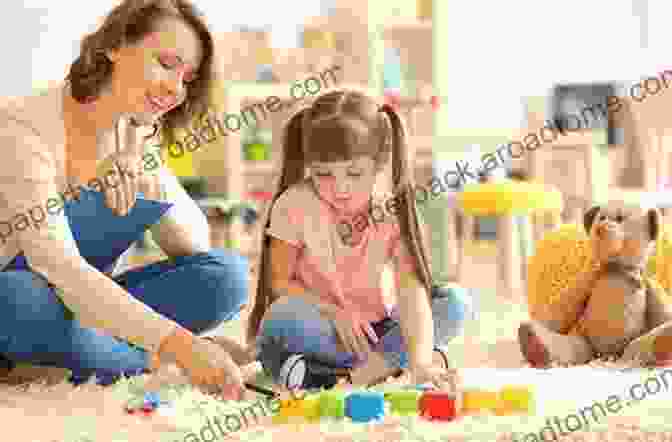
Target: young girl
point(320, 310)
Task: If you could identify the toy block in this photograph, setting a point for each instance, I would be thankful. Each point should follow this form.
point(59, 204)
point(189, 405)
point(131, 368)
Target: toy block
point(332, 404)
point(515, 399)
point(311, 408)
point(438, 405)
point(479, 400)
point(403, 402)
point(365, 406)
point(291, 411)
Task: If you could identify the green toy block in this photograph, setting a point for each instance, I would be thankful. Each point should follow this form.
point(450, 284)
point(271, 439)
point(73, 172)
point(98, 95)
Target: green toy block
point(332, 404)
point(403, 402)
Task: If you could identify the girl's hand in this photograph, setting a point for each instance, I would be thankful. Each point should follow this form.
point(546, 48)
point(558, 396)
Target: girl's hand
point(447, 380)
point(353, 331)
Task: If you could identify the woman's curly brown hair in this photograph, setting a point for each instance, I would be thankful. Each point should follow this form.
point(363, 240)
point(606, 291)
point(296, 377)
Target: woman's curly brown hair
point(127, 24)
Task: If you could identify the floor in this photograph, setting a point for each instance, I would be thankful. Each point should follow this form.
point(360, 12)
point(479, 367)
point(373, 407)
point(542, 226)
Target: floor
point(487, 353)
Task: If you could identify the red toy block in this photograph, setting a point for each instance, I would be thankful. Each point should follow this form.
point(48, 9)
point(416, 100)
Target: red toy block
point(438, 405)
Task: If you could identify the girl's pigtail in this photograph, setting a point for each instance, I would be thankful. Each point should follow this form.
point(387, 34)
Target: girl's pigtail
point(405, 199)
point(292, 172)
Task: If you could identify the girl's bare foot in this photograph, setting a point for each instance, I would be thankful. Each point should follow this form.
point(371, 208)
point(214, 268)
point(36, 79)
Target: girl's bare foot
point(241, 354)
point(373, 371)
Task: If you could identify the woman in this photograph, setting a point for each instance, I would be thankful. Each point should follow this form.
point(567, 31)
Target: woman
point(148, 65)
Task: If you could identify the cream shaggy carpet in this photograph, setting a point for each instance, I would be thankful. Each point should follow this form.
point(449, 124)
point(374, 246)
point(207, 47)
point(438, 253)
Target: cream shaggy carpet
point(57, 412)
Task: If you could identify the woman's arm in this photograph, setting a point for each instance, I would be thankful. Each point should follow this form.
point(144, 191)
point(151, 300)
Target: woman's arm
point(27, 183)
point(184, 229)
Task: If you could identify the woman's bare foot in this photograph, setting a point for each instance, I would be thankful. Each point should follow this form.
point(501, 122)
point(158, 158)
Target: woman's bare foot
point(241, 354)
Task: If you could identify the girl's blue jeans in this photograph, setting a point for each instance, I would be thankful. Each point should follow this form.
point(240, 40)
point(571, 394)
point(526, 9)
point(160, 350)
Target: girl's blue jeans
point(298, 327)
point(198, 292)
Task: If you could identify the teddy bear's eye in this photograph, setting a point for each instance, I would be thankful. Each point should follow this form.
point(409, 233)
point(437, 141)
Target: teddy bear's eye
point(619, 218)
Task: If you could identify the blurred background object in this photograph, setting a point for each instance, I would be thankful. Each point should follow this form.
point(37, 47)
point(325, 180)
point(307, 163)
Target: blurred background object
point(494, 83)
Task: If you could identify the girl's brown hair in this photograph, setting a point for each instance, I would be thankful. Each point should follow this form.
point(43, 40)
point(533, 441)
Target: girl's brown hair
point(339, 126)
point(127, 24)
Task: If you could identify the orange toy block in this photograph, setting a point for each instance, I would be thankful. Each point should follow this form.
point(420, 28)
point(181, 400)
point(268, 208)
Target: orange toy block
point(297, 411)
point(474, 401)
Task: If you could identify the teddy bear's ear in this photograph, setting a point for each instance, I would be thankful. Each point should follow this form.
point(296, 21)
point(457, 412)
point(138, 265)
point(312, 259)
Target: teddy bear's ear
point(589, 218)
point(653, 221)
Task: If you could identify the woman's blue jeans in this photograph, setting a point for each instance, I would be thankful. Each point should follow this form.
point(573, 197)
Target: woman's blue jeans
point(296, 326)
point(198, 292)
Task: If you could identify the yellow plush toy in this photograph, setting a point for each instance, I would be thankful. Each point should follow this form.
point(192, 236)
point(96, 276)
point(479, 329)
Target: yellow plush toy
point(564, 253)
point(559, 275)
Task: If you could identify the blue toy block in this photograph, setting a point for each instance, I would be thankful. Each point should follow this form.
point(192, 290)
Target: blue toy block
point(365, 406)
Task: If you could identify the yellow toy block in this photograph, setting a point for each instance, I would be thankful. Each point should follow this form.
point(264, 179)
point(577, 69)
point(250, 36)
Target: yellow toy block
point(515, 399)
point(475, 400)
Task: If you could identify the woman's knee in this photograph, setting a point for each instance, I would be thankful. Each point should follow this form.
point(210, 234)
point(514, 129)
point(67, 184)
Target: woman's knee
point(30, 312)
point(26, 295)
point(452, 307)
point(224, 283)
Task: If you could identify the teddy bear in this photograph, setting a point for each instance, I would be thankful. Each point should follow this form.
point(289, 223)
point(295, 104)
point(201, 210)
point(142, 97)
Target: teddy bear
point(614, 309)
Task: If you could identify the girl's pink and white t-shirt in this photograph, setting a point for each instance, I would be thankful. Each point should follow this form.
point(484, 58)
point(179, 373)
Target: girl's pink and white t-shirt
point(324, 262)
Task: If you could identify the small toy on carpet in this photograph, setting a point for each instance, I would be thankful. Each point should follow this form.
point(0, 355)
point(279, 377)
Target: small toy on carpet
point(145, 405)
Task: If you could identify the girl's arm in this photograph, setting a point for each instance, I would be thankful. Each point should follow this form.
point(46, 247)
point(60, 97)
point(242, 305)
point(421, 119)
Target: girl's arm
point(415, 319)
point(283, 258)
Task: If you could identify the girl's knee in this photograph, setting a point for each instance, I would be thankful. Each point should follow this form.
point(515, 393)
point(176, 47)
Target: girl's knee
point(300, 325)
point(289, 316)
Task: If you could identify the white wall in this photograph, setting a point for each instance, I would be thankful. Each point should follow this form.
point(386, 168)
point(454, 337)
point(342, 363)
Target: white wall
point(502, 51)
point(499, 51)
point(41, 37)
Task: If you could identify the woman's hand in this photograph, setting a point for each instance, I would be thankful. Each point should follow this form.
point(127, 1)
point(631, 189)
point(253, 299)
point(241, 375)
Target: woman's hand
point(355, 333)
point(125, 165)
point(441, 378)
point(208, 366)
point(120, 195)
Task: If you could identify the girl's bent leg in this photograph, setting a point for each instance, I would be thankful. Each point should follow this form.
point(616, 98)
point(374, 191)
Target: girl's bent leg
point(292, 325)
point(198, 291)
point(34, 329)
point(451, 306)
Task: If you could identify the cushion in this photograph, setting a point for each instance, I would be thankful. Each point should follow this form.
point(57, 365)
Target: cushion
point(562, 253)
point(101, 236)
